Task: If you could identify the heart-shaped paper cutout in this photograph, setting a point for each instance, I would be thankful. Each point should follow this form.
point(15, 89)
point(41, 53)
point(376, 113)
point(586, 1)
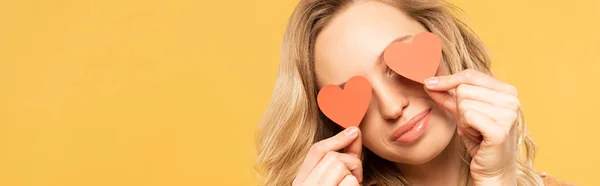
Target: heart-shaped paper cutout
point(346, 107)
point(417, 61)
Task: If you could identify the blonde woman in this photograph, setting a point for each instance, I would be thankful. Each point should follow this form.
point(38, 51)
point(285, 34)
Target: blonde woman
point(472, 129)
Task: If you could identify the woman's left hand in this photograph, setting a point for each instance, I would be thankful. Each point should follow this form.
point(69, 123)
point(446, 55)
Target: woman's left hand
point(486, 111)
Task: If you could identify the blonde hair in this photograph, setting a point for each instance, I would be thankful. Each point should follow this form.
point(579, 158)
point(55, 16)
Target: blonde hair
point(293, 122)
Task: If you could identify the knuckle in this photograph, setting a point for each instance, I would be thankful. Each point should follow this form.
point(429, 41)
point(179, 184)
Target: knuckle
point(338, 165)
point(470, 74)
point(467, 118)
point(355, 163)
point(512, 103)
point(511, 118)
point(515, 103)
point(331, 155)
point(512, 90)
point(317, 149)
point(500, 137)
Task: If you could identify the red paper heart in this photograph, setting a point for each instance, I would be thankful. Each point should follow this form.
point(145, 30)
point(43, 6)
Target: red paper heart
point(346, 107)
point(417, 61)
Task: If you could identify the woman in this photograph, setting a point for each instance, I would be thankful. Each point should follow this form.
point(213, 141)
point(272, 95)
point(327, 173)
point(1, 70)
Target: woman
point(475, 133)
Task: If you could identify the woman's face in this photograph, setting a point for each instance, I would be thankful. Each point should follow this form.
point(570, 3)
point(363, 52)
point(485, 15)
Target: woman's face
point(352, 44)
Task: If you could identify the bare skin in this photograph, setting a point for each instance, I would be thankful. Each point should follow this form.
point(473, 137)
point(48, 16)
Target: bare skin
point(483, 109)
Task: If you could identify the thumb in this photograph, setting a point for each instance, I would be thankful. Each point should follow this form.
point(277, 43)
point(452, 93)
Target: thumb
point(355, 147)
point(445, 100)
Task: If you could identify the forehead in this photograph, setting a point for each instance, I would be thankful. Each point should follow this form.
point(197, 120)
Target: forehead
point(353, 41)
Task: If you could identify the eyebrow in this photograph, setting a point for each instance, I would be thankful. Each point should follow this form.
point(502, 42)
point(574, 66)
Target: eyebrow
point(380, 59)
point(403, 38)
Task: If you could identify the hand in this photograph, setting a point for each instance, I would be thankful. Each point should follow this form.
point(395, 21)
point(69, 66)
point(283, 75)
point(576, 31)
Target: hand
point(325, 167)
point(486, 111)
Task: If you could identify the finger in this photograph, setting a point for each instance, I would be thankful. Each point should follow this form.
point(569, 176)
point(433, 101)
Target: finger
point(493, 134)
point(333, 174)
point(471, 77)
point(334, 166)
point(471, 144)
point(469, 132)
point(466, 131)
point(351, 163)
point(355, 149)
point(448, 102)
point(319, 149)
point(349, 180)
point(445, 100)
point(327, 173)
point(499, 115)
point(499, 99)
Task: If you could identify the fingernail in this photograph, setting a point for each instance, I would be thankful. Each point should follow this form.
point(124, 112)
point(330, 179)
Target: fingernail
point(431, 81)
point(350, 131)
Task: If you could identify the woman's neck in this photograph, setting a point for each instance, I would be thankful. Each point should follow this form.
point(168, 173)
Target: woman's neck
point(444, 169)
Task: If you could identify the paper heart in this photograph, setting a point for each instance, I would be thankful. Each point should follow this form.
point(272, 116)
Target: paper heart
point(417, 61)
point(347, 106)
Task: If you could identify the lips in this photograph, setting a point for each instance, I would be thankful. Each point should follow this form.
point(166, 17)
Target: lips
point(413, 129)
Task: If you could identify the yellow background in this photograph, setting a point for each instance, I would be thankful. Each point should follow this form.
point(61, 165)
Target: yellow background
point(113, 92)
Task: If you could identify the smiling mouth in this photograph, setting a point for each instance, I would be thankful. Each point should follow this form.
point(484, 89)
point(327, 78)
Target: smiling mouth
point(412, 129)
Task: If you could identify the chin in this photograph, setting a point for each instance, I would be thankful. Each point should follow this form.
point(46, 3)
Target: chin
point(427, 150)
point(419, 155)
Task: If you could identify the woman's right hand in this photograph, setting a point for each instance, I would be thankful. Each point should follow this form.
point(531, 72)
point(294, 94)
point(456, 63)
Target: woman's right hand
point(323, 165)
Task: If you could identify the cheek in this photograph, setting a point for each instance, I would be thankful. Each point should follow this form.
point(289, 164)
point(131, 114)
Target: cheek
point(373, 130)
point(443, 116)
point(443, 124)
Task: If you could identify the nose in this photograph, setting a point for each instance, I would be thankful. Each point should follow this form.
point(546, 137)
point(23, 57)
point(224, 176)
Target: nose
point(390, 100)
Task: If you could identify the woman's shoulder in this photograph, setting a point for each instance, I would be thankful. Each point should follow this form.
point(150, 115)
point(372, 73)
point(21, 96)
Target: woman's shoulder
point(552, 181)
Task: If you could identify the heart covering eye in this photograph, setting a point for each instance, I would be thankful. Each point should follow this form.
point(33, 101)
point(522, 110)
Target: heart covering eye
point(416, 61)
point(346, 107)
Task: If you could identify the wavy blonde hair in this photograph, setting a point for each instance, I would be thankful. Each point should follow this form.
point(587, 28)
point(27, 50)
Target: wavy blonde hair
point(293, 122)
